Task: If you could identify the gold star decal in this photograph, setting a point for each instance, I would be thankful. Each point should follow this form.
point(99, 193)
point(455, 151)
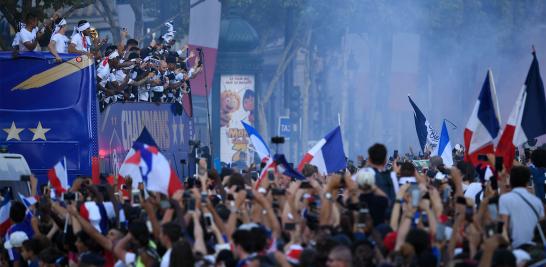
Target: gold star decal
point(13, 132)
point(39, 132)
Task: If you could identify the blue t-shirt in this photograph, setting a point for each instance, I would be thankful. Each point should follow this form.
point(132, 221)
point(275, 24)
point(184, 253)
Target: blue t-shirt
point(25, 226)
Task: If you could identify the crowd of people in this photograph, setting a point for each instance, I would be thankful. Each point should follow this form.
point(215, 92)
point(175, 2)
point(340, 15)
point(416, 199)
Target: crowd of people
point(125, 72)
point(377, 212)
point(362, 216)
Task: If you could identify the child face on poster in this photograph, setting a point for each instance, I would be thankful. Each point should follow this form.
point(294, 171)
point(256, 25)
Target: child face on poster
point(248, 100)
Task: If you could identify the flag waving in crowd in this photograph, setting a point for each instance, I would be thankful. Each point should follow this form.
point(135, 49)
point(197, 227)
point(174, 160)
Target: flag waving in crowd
point(428, 138)
point(484, 123)
point(444, 147)
point(144, 163)
point(528, 117)
point(58, 177)
point(258, 142)
point(327, 154)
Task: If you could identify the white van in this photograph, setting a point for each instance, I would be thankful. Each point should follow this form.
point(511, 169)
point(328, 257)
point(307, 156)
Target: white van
point(14, 173)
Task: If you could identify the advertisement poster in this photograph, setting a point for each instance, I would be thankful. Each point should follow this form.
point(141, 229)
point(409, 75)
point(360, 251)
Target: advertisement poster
point(237, 103)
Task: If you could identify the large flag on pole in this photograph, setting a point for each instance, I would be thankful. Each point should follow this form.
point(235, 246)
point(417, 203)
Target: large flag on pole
point(328, 154)
point(144, 163)
point(428, 138)
point(508, 140)
point(260, 146)
point(444, 147)
point(484, 123)
point(528, 117)
point(533, 121)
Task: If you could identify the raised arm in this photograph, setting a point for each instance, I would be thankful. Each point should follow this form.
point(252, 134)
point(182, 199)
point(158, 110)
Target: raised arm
point(89, 229)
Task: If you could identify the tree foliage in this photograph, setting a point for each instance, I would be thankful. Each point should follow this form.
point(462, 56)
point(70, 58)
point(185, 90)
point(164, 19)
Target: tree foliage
point(15, 11)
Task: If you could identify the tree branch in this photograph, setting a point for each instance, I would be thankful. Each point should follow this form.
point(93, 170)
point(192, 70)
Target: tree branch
point(136, 5)
point(76, 7)
point(108, 15)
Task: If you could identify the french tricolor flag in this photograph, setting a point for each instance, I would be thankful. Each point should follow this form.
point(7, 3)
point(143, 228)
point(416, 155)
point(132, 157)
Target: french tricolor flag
point(258, 142)
point(327, 154)
point(28, 201)
point(98, 214)
point(5, 222)
point(444, 148)
point(279, 165)
point(144, 163)
point(528, 117)
point(484, 123)
point(58, 177)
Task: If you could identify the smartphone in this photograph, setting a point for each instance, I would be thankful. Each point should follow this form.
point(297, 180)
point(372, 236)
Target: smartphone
point(271, 175)
point(289, 226)
point(482, 157)
point(440, 232)
point(136, 196)
point(278, 192)
point(142, 191)
point(165, 204)
point(191, 205)
point(424, 219)
point(461, 200)
point(395, 154)
point(305, 185)
point(469, 214)
point(249, 194)
point(499, 163)
point(415, 196)
point(362, 216)
point(204, 197)
point(490, 230)
point(500, 225)
point(208, 219)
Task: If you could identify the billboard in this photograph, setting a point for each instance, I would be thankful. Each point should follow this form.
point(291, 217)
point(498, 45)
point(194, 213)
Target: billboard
point(122, 123)
point(237, 103)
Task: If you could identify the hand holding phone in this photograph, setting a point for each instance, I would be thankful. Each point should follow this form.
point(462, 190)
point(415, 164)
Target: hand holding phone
point(415, 196)
point(499, 164)
point(208, 220)
point(289, 226)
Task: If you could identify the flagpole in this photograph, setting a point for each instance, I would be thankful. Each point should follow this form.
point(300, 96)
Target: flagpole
point(65, 169)
point(451, 123)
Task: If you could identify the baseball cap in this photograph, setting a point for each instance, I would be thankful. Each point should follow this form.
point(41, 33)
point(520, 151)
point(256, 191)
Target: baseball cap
point(16, 240)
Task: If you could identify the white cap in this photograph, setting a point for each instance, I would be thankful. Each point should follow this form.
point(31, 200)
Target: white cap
point(365, 176)
point(521, 256)
point(16, 240)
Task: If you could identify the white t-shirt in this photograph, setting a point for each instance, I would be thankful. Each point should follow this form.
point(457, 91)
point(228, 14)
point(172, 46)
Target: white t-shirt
point(26, 36)
point(16, 40)
point(77, 40)
point(166, 259)
point(130, 259)
point(61, 42)
point(523, 220)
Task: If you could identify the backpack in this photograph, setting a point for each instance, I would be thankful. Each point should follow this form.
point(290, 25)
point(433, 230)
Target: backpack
point(384, 182)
